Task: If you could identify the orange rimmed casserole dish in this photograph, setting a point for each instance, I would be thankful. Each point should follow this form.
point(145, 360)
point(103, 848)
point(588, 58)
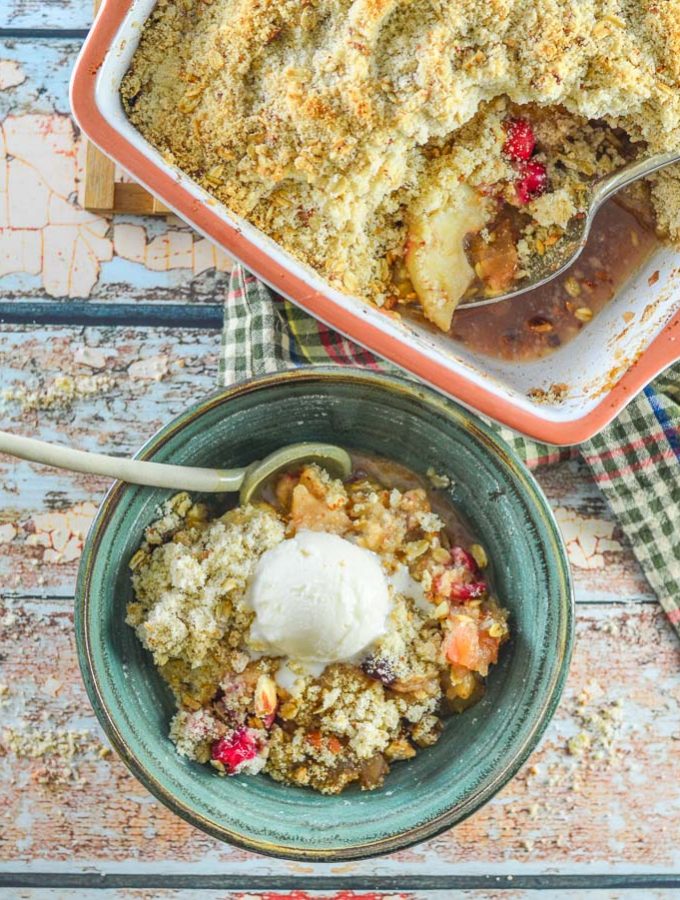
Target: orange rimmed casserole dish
point(602, 369)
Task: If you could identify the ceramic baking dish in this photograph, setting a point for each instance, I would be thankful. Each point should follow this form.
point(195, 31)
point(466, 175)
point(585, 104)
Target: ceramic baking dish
point(604, 367)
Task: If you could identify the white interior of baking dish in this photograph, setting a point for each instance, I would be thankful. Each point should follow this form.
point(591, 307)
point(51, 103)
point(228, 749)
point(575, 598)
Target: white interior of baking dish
point(589, 365)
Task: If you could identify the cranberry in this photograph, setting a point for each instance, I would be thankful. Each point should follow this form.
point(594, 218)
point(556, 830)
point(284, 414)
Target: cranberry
point(521, 140)
point(532, 181)
point(471, 591)
point(380, 668)
point(235, 749)
point(460, 557)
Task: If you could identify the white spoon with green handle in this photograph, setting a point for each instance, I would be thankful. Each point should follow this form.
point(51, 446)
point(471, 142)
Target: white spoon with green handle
point(247, 481)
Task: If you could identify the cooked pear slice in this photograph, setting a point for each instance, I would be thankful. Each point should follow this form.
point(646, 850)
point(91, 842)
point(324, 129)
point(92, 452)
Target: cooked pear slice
point(435, 255)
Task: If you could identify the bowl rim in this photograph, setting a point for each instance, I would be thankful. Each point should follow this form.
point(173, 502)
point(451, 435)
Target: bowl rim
point(410, 836)
point(205, 218)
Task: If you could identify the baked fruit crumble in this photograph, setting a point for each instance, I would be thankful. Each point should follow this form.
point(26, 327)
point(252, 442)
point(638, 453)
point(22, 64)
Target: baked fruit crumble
point(411, 153)
point(339, 715)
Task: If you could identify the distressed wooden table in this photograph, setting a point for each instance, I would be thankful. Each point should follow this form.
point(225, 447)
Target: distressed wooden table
point(109, 328)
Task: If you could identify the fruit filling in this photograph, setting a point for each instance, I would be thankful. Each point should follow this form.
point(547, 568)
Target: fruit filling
point(485, 238)
point(321, 635)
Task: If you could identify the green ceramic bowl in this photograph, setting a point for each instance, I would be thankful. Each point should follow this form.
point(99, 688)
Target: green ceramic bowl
point(479, 750)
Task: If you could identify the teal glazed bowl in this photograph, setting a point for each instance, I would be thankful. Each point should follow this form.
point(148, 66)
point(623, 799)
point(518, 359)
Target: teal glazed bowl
point(479, 750)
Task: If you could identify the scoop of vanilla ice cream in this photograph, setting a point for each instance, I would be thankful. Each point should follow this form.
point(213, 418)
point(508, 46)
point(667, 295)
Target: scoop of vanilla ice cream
point(318, 598)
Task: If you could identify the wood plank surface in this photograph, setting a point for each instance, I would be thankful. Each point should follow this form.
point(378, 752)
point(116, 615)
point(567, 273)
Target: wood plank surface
point(469, 888)
point(103, 389)
point(99, 192)
point(557, 887)
point(605, 810)
point(583, 828)
point(39, 14)
point(52, 247)
point(36, 501)
point(608, 816)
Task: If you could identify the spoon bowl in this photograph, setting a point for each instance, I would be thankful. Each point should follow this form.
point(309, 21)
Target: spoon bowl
point(334, 460)
point(565, 253)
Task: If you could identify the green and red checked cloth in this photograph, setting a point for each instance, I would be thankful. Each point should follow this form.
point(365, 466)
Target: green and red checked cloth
point(635, 461)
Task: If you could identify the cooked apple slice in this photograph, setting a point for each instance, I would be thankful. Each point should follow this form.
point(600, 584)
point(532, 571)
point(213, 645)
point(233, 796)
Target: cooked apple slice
point(496, 261)
point(435, 255)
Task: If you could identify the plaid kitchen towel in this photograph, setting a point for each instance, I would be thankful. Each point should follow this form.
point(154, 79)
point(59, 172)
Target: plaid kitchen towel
point(635, 461)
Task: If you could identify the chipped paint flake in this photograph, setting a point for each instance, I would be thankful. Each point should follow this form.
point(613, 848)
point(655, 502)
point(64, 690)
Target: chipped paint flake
point(170, 251)
point(92, 357)
point(49, 235)
point(20, 251)
point(11, 74)
point(45, 232)
point(129, 242)
point(179, 249)
point(587, 539)
point(62, 533)
point(153, 368)
point(7, 533)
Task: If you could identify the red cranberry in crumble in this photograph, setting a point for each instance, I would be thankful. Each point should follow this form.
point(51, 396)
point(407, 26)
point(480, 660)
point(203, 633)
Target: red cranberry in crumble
point(235, 749)
point(520, 142)
point(532, 182)
point(472, 591)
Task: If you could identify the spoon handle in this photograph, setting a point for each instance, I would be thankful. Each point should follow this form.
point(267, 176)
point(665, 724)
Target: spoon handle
point(619, 179)
point(134, 471)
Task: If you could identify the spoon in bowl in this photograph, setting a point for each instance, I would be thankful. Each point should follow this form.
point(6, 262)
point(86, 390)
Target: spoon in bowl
point(565, 253)
point(248, 481)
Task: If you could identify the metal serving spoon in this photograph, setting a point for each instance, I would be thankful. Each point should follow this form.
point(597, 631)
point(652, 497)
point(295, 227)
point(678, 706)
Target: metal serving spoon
point(247, 481)
point(569, 248)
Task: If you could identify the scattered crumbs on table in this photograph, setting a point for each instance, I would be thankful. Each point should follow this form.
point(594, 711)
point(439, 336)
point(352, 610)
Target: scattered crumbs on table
point(601, 726)
point(60, 393)
point(58, 750)
point(60, 743)
point(36, 723)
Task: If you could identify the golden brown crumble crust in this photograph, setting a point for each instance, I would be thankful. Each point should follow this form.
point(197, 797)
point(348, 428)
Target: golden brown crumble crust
point(317, 119)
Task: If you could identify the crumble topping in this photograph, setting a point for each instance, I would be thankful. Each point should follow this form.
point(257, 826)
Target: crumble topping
point(326, 725)
point(190, 590)
point(329, 124)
